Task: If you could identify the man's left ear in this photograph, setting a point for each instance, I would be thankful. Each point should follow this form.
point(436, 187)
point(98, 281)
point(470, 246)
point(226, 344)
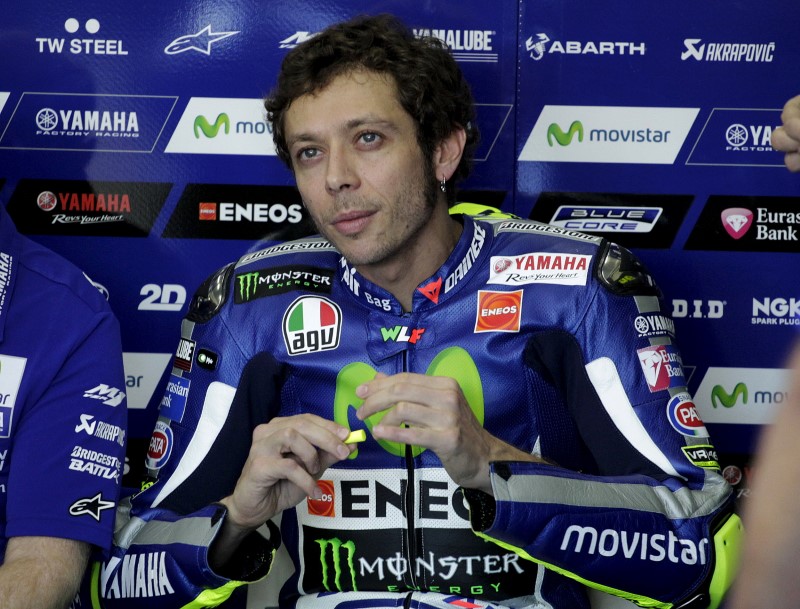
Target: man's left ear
point(448, 153)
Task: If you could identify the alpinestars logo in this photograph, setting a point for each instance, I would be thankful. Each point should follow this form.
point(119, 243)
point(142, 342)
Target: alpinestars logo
point(200, 42)
point(91, 506)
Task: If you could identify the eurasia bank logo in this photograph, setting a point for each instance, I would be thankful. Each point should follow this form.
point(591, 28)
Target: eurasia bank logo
point(220, 125)
point(608, 134)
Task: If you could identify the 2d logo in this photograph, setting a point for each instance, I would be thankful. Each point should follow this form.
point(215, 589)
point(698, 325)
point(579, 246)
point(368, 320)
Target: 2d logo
point(720, 396)
point(211, 130)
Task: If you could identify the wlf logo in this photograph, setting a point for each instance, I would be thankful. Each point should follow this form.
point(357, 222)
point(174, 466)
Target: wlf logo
point(737, 221)
point(554, 132)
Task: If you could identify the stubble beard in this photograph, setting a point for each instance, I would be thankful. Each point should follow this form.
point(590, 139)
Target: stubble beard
point(407, 220)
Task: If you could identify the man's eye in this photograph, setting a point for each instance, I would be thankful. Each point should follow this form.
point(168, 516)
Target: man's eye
point(307, 154)
point(370, 138)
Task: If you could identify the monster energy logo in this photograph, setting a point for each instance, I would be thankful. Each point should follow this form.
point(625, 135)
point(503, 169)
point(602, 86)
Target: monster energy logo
point(248, 283)
point(336, 546)
point(201, 124)
point(728, 400)
point(564, 139)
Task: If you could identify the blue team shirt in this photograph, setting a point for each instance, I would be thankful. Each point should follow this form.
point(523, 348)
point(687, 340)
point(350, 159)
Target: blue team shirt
point(62, 401)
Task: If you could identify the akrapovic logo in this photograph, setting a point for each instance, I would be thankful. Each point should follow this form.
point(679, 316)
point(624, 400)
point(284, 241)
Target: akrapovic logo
point(748, 52)
point(634, 545)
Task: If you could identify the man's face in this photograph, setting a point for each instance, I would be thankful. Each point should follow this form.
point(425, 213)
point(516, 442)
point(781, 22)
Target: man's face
point(359, 168)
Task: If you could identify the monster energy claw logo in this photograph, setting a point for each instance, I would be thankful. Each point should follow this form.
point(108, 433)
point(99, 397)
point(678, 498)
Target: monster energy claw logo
point(201, 124)
point(336, 546)
point(728, 400)
point(564, 139)
point(247, 284)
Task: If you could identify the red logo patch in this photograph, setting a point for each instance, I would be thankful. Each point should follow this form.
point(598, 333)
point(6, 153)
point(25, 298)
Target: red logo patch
point(324, 506)
point(431, 291)
point(498, 311)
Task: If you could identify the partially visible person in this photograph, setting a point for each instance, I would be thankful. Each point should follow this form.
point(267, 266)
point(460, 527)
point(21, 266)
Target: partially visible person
point(62, 423)
point(786, 138)
point(771, 553)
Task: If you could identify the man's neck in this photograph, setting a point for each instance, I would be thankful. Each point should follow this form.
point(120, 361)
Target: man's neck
point(401, 275)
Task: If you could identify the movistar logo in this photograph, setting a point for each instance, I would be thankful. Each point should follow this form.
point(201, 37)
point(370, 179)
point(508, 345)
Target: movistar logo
point(564, 139)
point(201, 124)
point(336, 546)
point(728, 400)
point(453, 362)
point(248, 282)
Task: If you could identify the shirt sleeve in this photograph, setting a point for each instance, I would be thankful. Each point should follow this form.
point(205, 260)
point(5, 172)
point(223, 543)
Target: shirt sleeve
point(640, 521)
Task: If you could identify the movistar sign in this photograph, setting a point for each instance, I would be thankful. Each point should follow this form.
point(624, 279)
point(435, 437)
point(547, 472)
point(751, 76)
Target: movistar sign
point(608, 134)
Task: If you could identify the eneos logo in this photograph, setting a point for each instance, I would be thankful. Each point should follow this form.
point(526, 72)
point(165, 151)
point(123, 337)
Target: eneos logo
point(325, 505)
point(498, 311)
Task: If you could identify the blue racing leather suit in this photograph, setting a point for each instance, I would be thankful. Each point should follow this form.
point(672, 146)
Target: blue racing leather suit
point(561, 347)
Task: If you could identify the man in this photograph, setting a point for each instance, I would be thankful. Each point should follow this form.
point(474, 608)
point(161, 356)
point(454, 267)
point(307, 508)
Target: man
point(786, 138)
point(772, 543)
point(62, 421)
point(512, 378)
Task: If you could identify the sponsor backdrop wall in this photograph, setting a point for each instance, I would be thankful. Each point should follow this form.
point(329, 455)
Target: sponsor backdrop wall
point(133, 141)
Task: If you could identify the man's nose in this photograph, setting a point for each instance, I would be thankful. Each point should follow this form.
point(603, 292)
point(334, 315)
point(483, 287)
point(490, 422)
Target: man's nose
point(340, 173)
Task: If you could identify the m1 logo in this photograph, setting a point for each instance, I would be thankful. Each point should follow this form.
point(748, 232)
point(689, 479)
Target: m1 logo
point(165, 297)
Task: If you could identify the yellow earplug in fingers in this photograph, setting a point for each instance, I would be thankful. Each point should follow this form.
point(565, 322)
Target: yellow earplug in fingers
point(356, 436)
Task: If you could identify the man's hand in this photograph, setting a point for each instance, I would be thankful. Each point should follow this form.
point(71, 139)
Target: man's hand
point(787, 137)
point(287, 456)
point(432, 412)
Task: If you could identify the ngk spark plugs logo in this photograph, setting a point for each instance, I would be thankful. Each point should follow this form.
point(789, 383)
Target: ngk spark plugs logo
point(608, 134)
point(776, 311)
point(87, 122)
point(74, 207)
point(738, 137)
point(662, 367)
point(539, 45)
point(747, 224)
point(236, 211)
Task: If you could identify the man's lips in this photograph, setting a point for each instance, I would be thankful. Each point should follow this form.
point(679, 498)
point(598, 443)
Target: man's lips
point(352, 222)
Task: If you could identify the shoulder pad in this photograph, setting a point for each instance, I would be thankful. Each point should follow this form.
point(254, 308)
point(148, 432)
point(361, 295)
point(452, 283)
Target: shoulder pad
point(622, 273)
point(210, 296)
point(479, 210)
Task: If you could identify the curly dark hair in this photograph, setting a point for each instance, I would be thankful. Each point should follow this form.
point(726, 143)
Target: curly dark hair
point(430, 85)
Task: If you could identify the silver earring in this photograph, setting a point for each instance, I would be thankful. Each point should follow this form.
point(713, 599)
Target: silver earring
point(443, 185)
